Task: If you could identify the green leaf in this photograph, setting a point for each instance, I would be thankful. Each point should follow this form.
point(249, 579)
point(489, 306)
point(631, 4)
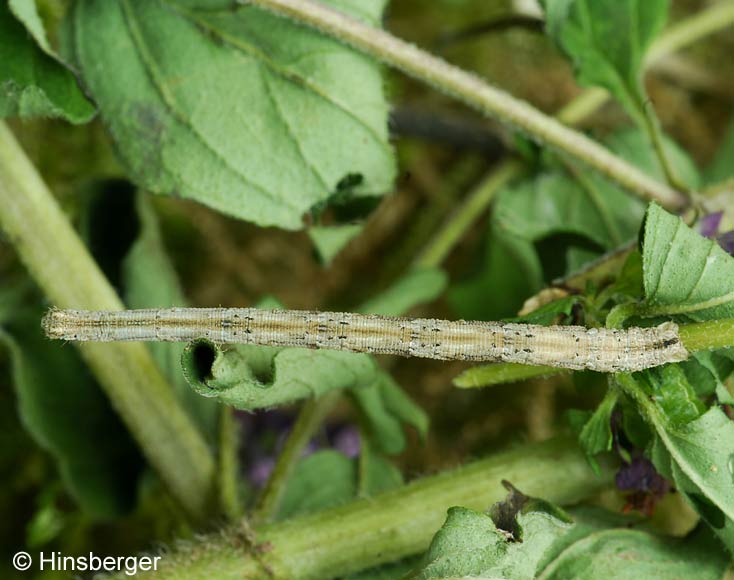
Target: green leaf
point(607, 41)
point(321, 480)
point(706, 372)
point(622, 554)
point(386, 408)
point(417, 286)
point(685, 273)
point(328, 478)
point(551, 312)
point(239, 109)
point(552, 224)
point(329, 240)
point(65, 411)
point(472, 544)
point(33, 81)
point(596, 435)
point(698, 455)
point(669, 388)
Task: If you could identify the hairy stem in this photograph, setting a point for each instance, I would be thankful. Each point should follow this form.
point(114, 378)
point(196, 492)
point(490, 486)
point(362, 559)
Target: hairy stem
point(475, 92)
point(706, 22)
point(309, 419)
point(228, 472)
point(390, 526)
point(63, 268)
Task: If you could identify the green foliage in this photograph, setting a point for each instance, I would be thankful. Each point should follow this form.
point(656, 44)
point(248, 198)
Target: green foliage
point(475, 545)
point(685, 273)
point(551, 224)
point(595, 435)
point(620, 554)
point(607, 41)
point(236, 108)
point(328, 478)
point(64, 410)
point(34, 82)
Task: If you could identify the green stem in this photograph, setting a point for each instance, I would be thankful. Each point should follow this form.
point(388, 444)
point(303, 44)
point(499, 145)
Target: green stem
point(706, 22)
point(390, 526)
point(67, 274)
point(228, 475)
point(475, 92)
point(708, 335)
point(468, 213)
point(500, 373)
point(311, 416)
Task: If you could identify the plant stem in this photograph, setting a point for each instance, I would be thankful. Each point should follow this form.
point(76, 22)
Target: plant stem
point(310, 417)
point(706, 22)
point(390, 526)
point(67, 274)
point(500, 373)
point(708, 335)
point(475, 92)
point(228, 473)
point(468, 213)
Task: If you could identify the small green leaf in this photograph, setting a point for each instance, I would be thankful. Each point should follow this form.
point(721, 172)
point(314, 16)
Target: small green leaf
point(706, 372)
point(596, 435)
point(685, 273)
point(328, 478)
point(321, 480)
point(65, 411)
point(386, 408)
point(607, 41)
point(550, 313)
point(329, 240)
point(669, 388)
point(234, 107)
point(417, 286)
point(33, 81)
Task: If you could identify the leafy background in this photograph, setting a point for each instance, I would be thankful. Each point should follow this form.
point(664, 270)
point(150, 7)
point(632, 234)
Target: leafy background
point(354, 243)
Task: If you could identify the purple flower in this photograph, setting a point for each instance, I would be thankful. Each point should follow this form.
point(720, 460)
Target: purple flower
point(709, 224)
point(347, 441)
point(726, 241)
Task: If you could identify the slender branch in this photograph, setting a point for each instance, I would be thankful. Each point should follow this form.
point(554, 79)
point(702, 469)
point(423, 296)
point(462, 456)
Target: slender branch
point(228, 472)
point(468, 213)
point(709, 21)
point(309, 419)
point(63, 268)
point(390, 526)
point(475, 92)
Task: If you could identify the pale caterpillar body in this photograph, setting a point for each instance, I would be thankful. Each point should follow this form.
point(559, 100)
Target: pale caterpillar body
point(572, 347)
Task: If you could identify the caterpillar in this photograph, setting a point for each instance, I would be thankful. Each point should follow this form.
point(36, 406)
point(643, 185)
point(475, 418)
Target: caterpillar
point(571, 347)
